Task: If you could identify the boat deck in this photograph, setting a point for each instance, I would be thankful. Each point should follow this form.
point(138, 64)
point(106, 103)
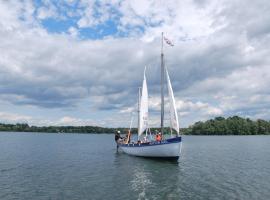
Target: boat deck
point(152, 143)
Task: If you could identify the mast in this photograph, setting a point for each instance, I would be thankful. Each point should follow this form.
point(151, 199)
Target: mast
point(139, 100)
point(162, 87)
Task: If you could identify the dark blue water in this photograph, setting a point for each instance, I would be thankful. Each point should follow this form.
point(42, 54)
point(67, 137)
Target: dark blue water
point(76, 166)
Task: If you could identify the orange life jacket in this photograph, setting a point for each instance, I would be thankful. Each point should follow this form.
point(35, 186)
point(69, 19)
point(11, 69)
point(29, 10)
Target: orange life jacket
point(158, 137)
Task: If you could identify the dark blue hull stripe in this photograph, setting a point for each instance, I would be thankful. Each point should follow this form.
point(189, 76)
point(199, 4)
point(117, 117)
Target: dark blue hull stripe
point(161, 158)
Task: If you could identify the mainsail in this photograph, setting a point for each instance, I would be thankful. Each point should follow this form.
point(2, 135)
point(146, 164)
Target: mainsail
point(173, 111)
point(143, 118)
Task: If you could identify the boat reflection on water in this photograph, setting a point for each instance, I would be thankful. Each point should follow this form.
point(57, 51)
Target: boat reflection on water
point(146, 178)
point(141, 182)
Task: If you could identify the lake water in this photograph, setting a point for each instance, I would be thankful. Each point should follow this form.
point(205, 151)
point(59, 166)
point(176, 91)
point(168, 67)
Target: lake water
point(76, 166)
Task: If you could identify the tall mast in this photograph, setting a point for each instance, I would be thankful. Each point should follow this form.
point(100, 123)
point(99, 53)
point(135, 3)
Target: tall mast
point(162, 87)
point(139, 101)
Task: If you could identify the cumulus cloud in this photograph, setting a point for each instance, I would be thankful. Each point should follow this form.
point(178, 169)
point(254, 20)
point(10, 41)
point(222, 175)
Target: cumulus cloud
point(13, 117)
point(48, 10)
point(218, 66)
point(71, 121)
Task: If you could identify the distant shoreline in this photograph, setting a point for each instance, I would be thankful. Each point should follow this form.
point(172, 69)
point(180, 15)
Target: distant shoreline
point(218, 126)
point(123, 134)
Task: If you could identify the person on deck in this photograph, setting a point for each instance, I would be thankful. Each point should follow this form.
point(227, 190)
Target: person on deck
point(117, 136)
point(126, 139)
point(128, 136)
point(158, 137)
point(145, 139)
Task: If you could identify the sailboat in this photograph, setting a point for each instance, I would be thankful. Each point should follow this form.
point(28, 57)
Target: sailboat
point(164, 148)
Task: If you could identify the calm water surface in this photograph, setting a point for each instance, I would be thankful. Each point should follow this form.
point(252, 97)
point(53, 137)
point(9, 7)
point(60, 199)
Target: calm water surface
point(75, 166)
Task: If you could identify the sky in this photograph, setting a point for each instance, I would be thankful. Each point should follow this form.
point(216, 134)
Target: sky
point(80, 62)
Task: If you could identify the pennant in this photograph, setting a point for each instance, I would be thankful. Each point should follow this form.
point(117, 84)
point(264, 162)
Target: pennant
point(168, 41)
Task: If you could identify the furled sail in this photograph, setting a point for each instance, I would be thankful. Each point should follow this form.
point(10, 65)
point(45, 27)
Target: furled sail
point(173, 111)
point(143, 123)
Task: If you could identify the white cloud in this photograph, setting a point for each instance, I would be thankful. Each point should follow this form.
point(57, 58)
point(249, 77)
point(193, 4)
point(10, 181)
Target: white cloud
point(218, 66)
point(13, 117)
point(48, 10)
point(94, 13)
point(71, 121)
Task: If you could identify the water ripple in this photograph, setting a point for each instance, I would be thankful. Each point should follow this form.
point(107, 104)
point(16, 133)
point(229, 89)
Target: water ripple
point(62, 166)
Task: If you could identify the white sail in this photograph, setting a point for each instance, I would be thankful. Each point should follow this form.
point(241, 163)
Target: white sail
point(143, 124)
point(173, 111)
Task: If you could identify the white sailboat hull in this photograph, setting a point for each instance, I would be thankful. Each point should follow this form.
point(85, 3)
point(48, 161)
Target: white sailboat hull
point(170, 148)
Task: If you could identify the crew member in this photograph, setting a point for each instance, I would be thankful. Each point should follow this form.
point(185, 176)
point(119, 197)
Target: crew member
point(117, 136)
point(158, 137)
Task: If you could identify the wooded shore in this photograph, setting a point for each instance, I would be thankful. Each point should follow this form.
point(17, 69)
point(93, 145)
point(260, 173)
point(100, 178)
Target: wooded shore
point(218, 126)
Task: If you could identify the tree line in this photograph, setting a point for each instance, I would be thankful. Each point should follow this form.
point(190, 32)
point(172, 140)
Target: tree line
point(229, 126)
point(24, 127)
point(218, 126)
